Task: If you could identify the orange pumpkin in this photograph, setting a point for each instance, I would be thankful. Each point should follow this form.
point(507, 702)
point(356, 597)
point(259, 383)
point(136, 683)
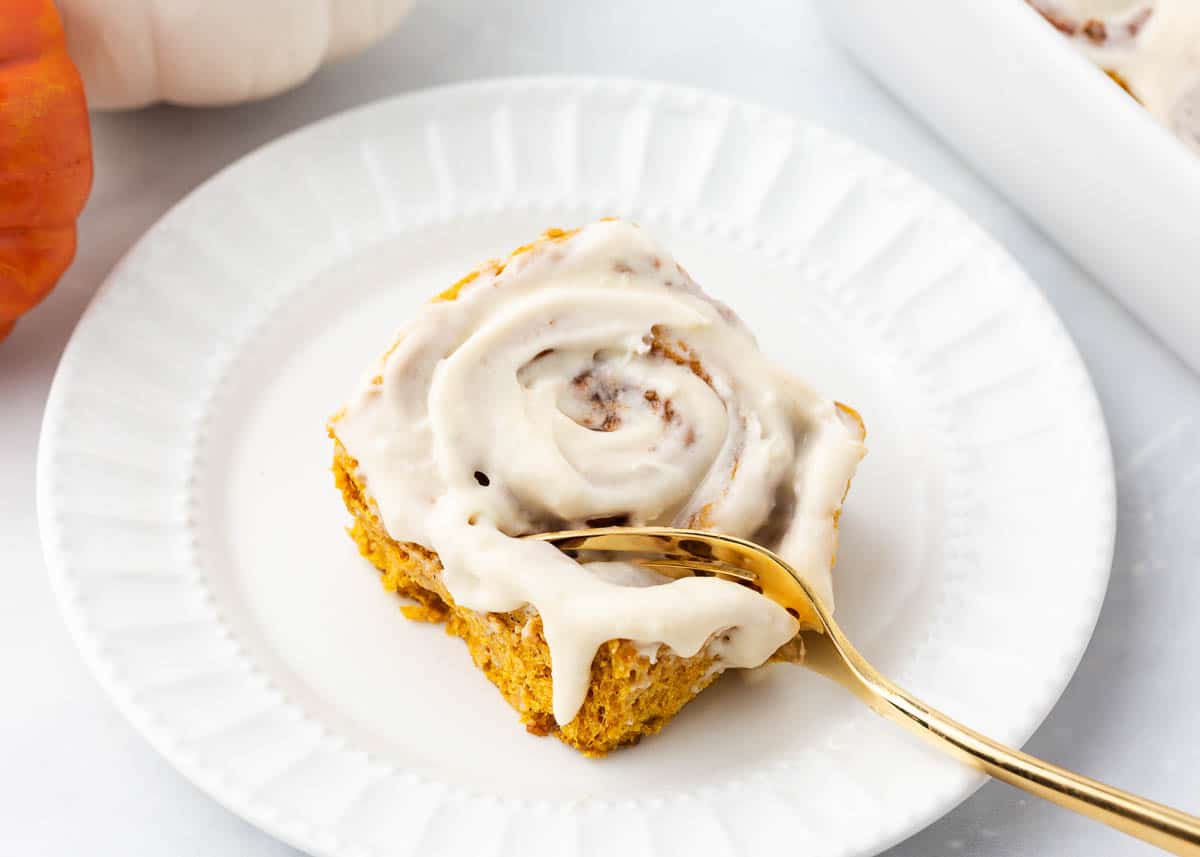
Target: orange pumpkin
point(45, 155)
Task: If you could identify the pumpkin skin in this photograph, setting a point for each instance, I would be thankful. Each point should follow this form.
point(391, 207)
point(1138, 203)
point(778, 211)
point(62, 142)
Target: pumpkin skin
point(45, 155)
point(206, 52)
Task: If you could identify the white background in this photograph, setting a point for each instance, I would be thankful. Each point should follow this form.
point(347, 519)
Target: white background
point(76, 779)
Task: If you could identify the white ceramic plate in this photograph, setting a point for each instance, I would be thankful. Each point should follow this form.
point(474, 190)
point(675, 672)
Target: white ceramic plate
point(195, 537)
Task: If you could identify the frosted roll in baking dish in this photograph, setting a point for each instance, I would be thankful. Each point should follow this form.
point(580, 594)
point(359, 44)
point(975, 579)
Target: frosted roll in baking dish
point(588, 381)
point(1050, 131)
point(1150, 47)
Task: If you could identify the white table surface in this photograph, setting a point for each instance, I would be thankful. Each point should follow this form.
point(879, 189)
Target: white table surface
point(76, 779)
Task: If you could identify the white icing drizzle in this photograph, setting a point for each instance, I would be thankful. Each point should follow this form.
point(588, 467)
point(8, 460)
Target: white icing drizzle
point(1154, 45)
point(592, 379)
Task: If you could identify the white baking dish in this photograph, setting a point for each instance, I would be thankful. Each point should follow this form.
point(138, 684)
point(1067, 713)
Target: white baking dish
point(1049, 129)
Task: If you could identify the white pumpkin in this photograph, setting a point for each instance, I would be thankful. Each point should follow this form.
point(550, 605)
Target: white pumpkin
point(136, 52)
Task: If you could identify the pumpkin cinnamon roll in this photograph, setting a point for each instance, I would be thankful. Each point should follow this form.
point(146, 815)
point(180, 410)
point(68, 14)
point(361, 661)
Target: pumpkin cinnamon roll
point(588, 381)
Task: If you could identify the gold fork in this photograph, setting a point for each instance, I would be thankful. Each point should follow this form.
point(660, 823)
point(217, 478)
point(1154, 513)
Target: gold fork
point(678, 553)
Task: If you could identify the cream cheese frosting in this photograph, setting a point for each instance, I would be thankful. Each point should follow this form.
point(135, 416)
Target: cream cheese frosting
point(588, 382)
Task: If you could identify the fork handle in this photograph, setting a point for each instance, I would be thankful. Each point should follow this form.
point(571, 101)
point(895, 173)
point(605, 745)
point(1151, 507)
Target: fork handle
point(1161, 826)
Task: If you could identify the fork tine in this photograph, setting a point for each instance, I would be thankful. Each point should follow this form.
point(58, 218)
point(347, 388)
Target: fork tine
point(680, 551)
point(672, 568)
